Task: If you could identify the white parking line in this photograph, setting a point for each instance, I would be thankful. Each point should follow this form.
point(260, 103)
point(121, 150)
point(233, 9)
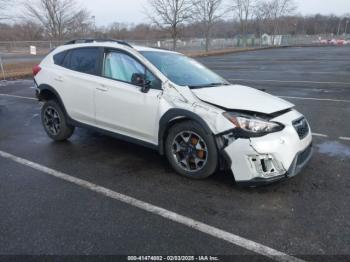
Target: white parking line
point(244, 70)
point(344, 138)
point(289, 81)
point(199, 226)
point(320, 135)
point(22, 97)
point(316, 99)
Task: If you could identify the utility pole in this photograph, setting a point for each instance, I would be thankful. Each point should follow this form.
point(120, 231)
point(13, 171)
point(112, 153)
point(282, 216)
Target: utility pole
point(94, 24)
point(340, 20)
point(346, 27)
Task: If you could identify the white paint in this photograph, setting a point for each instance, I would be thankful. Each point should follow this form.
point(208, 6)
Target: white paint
point(22, 97)
point(344, 138)
point(287, 81)
point(316, 99)
point(320, 135)
point(199, 226)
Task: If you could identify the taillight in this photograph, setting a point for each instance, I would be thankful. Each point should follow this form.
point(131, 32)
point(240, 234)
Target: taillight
point(36, 70)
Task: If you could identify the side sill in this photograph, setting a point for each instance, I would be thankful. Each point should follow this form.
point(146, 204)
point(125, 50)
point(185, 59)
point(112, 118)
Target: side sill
point(112, 134)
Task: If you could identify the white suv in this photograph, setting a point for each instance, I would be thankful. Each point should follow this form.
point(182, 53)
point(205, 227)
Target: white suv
point(169, 102)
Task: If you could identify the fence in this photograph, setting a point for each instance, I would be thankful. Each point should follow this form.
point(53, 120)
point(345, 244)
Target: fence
point(9, 48)
point(195, 44)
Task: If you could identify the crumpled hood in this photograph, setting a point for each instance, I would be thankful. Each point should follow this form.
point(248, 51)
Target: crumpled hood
point(237, 97)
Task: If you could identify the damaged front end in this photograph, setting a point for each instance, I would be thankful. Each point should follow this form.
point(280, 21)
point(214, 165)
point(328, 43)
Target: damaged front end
point(259, 148)
point(266, 158)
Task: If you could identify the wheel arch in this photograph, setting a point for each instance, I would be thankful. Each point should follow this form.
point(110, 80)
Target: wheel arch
point(173, 117)
point(47, 92)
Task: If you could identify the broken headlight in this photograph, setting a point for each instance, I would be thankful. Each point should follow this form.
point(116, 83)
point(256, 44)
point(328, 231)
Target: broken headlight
point(248, 126)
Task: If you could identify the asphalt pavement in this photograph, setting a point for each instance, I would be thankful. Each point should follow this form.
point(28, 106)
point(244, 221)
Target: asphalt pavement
point(306, 217)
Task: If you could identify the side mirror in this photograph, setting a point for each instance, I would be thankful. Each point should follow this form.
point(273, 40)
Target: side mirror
point(140, 80)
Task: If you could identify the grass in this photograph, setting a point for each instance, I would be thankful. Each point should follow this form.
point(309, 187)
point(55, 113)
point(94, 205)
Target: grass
point(18, 70)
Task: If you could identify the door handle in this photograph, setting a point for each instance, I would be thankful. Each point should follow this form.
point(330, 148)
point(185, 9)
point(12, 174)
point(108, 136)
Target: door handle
point(102, 88)
point(59, 79)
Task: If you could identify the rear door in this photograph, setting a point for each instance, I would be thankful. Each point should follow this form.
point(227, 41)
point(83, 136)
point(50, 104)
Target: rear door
point(78, 78)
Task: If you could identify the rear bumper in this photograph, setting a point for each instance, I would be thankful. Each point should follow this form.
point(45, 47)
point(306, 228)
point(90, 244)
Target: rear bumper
point(37, 90)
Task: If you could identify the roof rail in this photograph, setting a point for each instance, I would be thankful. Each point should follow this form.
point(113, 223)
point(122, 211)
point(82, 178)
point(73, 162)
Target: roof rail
point(95, 40)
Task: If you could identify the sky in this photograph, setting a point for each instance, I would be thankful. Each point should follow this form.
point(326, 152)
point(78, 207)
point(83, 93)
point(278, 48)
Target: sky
point(132, 11)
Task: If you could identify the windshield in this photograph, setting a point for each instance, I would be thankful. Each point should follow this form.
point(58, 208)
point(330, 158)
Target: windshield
point(184, 71)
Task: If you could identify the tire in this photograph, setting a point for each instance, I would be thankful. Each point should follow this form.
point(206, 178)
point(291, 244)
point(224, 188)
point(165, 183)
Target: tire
point(54, 121)
point(191, 151)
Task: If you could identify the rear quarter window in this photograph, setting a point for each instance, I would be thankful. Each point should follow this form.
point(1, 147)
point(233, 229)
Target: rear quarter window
point(59, 58)
point(84, 60)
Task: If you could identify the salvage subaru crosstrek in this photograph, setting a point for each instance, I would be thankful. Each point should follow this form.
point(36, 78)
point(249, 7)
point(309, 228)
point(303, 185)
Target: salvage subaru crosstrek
point(169, 102)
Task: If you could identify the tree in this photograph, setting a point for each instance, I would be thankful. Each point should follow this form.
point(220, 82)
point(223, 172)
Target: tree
point(170, 15)
point(4, 6)
point(243, 10)
point(82, 25)
point(206, 12)
point(58, 17)
point(275, 10)
point(28, 31)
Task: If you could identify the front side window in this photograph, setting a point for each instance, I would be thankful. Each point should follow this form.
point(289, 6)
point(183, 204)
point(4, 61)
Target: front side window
point(84, 60)
point(122, 67)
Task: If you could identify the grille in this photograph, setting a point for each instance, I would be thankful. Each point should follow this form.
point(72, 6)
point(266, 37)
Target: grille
point(302, 127)
point(304, 156)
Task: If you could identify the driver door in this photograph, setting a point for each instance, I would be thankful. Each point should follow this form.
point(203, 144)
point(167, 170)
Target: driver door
point(120, 105)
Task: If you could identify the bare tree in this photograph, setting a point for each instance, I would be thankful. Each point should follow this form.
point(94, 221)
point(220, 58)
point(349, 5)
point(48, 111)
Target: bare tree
point(58, 17)
point(170, 15)
point(207, 13)
point(262, 15)
point(4, 6)
point(275, 10)
point(82, 24)
point(243, 10)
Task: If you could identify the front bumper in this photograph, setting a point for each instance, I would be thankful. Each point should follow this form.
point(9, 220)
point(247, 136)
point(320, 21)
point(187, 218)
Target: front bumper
point(299, 163)
point(271, 158)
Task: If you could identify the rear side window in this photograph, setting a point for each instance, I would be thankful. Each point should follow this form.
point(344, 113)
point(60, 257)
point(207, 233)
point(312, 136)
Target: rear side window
point(59, 58)
point(84, 60)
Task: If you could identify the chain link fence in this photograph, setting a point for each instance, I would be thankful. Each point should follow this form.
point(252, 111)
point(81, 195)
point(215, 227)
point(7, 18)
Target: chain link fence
point(194, 44)
point(11, 49)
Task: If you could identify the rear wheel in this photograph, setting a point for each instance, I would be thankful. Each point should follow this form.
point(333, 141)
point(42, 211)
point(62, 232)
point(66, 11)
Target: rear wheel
point(191, 151)
point(55, 122)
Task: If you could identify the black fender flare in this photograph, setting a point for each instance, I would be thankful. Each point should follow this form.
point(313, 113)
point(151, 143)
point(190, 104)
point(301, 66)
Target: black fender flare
point(173, 114)
point(44, 87)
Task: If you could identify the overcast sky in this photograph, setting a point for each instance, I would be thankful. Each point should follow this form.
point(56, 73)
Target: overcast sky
point(131, 11)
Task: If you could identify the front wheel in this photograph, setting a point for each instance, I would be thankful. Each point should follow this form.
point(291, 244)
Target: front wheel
point(55, 122)
point(191, 151)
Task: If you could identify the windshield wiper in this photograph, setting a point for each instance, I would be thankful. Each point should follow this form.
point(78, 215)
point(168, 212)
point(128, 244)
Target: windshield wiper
point(210, 85)
point(219, 84)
